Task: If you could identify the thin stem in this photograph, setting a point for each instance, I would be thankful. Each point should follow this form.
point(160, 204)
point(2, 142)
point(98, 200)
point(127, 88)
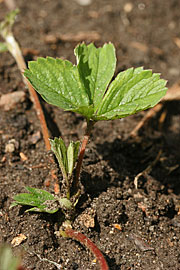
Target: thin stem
point(89, 244)
point(89, 128)
point(14, 49)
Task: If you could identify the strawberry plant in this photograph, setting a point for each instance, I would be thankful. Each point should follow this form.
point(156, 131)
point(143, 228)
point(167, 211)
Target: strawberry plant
point(88, 89)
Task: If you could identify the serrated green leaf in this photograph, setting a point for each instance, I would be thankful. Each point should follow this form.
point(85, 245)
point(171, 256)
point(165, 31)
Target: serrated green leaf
point(3, 47)
point(84, 88)
point(72, 153)
point(59, 148)
point(41, 200)
point(7, 260)
point(133, 90)
point(96, 68)
point(58, 82)
point(40, 193)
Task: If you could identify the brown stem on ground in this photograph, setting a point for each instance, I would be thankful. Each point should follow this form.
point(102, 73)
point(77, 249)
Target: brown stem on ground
point(89, 244)
point(14, 49)
point(89, 128)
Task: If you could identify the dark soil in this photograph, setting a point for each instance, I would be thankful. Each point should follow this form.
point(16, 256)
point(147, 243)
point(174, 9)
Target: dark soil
point(148, 232)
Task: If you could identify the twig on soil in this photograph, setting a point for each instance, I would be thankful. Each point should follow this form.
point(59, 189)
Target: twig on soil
point(140, 243)
point(89, 244)
point(172, 94)
point(15, 50)
point(147, 170)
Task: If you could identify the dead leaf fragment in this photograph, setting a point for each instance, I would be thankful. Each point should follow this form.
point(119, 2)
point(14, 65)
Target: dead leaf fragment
point(18, 240)
point(9, 101)
point(117, 226)
point(73, 37)
point(88, 221)
point(81, 36)
point(23, 156)
point(35, 137)
point(140, 243)
point(139, 46)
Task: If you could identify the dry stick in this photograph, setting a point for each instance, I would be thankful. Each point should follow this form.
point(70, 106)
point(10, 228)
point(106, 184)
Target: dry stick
point(14, 49)
point(172, 94)
point(89, 128)
point(89, 244)
point(16, 52)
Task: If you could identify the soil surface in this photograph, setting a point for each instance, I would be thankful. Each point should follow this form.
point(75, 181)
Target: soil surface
point(134, 228)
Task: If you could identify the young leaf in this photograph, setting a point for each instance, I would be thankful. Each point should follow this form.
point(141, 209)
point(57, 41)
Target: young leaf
point(41, 200)
point(66, 157)
point(133, 90)
point(72, 154)
point(58, 83)
point(96, 68)
point(59, 148)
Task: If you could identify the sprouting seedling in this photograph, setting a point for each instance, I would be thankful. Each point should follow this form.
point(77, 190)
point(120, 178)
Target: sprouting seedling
point(86, 88)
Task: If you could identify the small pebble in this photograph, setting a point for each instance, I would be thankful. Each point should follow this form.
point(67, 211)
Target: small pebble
point(35, 137)
point(11, 146)
point(84, 2)
point(128, 7)
point(141, 6)
point(9, 101)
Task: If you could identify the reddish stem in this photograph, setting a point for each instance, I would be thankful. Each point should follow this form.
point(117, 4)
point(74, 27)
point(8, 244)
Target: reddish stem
point(90, 125)
point(40, 115)
point(89, 244)
point(15, 50)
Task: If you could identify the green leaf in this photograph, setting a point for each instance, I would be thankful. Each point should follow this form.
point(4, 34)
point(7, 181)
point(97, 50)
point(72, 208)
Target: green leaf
point(7, 260)
point(72, 154)
point(41, 200)
point(133, 90)
point(66, 156)
point(85, 88)
point(96, 68)
point(59, 148)
point(58, 83)
point(3, 47)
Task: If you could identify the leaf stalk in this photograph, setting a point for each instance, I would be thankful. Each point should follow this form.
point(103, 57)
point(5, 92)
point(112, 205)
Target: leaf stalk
point(90, 125)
